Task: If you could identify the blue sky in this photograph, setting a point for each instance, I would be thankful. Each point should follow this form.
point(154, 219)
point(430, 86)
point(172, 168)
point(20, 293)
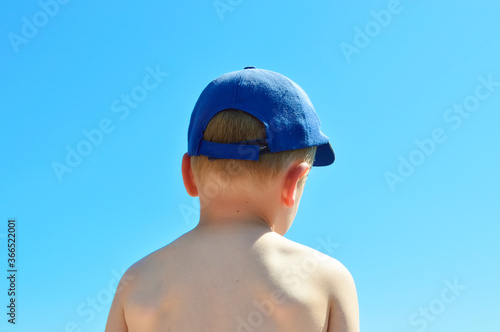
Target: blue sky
point(408, 92)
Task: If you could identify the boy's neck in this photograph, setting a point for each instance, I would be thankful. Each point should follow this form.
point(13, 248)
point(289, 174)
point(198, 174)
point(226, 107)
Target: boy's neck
point(235, 212)
point(233, 225)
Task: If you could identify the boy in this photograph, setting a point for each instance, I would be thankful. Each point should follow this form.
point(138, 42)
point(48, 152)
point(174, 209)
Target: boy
point(252, 139)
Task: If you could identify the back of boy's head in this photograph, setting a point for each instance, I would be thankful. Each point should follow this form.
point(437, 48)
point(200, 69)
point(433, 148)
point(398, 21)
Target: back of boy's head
point(230, 126)
point(250, 125)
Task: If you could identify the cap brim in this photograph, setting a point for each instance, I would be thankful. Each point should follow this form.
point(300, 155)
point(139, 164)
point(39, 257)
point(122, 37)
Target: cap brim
point(324, 155)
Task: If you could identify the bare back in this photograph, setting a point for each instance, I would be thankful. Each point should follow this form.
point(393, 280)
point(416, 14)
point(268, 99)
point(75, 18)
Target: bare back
point(230, 280)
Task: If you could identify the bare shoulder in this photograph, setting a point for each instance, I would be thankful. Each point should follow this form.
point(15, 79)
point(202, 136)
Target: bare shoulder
point(148, 266)
point(143, 271)
point(131, 283)
point(340, 286)
point(337, 277)
point(327, 266)
point(330, 274)
point(117, 320)
point(333, 279)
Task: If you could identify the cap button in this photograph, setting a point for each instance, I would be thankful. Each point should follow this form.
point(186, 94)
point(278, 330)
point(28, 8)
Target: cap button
point(250, 67)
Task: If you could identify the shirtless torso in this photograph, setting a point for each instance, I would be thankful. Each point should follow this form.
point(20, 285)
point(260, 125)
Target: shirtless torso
point(235, 279)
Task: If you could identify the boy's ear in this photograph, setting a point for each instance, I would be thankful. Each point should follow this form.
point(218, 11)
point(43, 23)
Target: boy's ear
point(188, 177)
point(292, 177)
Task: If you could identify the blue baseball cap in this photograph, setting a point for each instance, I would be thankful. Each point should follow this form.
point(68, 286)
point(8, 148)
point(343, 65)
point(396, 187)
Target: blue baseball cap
point(281, 105)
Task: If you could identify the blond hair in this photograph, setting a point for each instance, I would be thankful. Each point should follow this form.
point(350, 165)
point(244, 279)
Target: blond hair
point(230, 126)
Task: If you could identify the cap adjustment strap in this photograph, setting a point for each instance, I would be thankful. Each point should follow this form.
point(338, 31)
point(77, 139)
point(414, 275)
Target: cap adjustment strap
point(247, 150)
